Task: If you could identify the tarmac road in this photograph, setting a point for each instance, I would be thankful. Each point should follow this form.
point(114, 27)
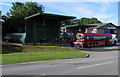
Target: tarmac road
point(102, 61)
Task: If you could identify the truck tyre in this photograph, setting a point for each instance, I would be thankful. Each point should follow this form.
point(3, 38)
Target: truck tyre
point(95, 44)
point(114, 43)
point(92, 45)
point(84, 45)
point(89, 45)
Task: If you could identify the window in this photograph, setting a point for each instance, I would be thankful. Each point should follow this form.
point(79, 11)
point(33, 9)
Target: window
point(93, 37)
point(79, 37)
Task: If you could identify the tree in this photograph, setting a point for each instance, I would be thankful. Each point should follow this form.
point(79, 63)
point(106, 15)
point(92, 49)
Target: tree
point(82, 21)
point(87, 21)
point(15, 18)
point(69, 22)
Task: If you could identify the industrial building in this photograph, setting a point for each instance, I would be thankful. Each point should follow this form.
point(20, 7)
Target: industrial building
point(92, 28)
point(44, 27)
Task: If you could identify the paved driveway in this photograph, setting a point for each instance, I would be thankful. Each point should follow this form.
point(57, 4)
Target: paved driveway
point(102, 51)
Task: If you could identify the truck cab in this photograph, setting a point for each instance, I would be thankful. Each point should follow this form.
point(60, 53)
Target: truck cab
point(114, 39)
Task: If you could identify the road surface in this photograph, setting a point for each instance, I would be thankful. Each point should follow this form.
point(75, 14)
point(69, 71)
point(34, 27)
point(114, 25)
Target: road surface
point(102, 61)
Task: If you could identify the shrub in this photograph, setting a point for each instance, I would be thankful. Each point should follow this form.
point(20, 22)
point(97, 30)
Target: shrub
point(10, 48)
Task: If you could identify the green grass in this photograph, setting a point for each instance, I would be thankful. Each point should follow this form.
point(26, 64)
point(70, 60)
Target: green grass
point(118, 47)
point(41, 53)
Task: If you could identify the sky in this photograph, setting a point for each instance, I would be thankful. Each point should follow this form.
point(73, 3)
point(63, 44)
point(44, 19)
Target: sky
point(105, 11)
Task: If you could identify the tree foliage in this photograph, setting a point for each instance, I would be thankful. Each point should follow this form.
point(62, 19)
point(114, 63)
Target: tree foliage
point(82, 21)
point(22, 10)
point(87, 21)
point(15, 19)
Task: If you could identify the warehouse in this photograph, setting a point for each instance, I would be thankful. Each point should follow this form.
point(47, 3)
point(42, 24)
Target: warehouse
point(102, 28)
point(92, 28)
point(44, 27)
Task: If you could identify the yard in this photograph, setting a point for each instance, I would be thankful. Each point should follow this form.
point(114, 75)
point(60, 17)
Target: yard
point(39, 53)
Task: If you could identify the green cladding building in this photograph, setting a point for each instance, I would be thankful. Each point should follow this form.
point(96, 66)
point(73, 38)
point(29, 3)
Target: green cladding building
point(44, 26)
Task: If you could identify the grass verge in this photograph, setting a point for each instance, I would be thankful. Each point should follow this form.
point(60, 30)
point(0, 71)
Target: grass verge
point(41, 53)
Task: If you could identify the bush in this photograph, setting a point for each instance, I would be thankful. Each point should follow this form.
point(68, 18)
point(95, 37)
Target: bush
point(10, 48)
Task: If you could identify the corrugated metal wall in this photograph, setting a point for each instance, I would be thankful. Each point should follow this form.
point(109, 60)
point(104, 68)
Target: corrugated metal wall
point(29, 31)
point(42, 29)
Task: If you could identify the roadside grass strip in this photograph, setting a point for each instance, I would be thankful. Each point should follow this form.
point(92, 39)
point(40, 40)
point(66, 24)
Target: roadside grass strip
point(42, 54)
point(118, 47)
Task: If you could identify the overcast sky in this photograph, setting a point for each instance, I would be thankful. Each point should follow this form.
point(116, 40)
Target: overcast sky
point(105, 10)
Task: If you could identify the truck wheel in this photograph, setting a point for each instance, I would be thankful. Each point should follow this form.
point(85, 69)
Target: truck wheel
point(107, 43)
point(95, 44)
point(114, 43)
point(92, 45)
point(89, 45)
point(84, 46)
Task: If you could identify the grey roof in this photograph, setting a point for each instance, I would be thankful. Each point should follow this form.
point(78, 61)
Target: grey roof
point(118, 27)
point(56, 16)
point(91, 26)
point(100, 25)
point(87, 25)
